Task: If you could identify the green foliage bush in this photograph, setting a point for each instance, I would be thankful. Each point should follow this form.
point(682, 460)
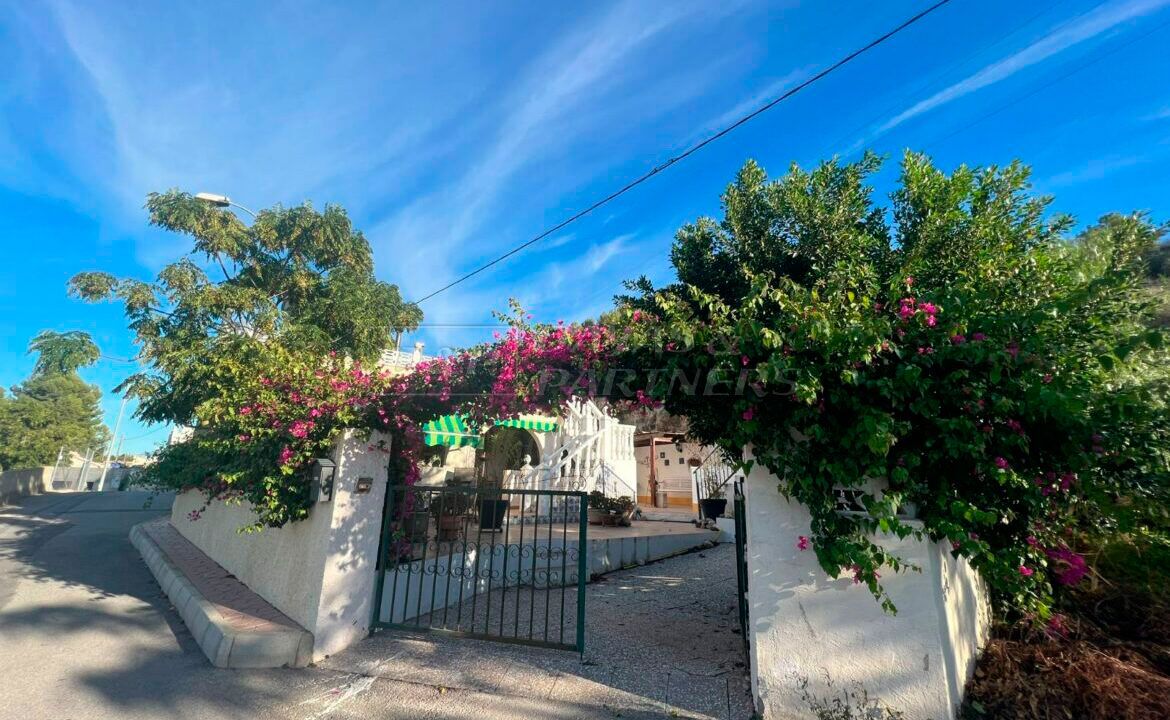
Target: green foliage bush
point(960, 350)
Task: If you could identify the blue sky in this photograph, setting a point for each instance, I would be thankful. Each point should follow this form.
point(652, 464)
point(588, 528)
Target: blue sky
point(452, 133)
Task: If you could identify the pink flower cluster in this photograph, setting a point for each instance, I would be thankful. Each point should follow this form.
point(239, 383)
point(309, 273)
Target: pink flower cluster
point(1049, 482)
point(908, 308)
point(529, 370)
point(300, 428)
point(1070, 567)
point(292, 407)
point(857, 574)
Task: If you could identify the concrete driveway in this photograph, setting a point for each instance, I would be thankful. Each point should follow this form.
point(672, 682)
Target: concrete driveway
point(86, 634)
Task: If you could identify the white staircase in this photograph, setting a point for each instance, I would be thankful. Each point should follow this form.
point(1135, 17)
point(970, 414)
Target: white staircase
point(595, 452)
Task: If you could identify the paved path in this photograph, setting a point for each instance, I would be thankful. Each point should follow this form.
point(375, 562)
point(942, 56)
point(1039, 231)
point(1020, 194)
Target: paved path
point(86, 634)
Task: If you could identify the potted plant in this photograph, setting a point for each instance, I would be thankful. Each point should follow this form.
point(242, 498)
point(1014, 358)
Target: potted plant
point(713, 503)
point(599, 507)
point(492, 509)
point(450, 513)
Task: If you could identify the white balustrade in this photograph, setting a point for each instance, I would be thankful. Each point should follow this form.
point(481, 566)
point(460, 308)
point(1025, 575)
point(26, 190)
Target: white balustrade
point(589, 440)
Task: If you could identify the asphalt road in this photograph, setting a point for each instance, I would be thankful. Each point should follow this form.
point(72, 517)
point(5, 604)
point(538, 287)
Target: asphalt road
point(86, 634)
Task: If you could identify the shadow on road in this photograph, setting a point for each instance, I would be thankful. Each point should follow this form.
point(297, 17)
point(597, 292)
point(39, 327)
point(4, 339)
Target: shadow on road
point(77, 539)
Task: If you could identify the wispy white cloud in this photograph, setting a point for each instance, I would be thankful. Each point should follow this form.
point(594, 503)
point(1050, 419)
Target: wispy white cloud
point(557, 241)
point(1087, 27)
point(193, 103)
point(769, 92)
point(1161, 114)
point(551, 108)
point(1096, 169)
point(599, 255)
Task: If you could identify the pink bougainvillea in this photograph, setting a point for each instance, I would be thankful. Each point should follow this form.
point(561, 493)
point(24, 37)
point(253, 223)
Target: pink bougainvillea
point(1069, 567)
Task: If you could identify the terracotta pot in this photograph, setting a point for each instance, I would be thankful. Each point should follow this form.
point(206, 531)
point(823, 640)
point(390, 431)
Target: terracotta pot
point(449, 526)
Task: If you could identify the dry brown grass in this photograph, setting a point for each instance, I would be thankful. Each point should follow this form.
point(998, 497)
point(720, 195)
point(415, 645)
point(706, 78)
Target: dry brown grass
point(1062, 680)
point(1113, 665)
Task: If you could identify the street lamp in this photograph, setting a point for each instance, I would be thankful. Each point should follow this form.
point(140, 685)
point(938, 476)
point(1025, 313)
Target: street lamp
point(221, 201)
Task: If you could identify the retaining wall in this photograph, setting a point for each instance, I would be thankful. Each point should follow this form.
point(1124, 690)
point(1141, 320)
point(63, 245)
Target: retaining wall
point(22, 482)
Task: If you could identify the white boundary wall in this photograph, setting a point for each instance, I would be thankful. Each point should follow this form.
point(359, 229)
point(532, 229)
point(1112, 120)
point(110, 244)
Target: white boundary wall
point(319, 571)
point(807, 626)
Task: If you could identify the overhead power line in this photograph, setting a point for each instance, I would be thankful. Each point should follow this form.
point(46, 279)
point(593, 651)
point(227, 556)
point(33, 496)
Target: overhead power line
point(691, 150)
point(145, 434)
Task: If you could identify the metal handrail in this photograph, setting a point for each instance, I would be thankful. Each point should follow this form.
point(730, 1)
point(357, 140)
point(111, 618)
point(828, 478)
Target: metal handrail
point(608, 471)
point(713, 468)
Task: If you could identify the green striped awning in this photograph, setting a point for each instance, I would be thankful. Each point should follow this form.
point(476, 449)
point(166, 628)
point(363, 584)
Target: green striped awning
point(450, 430)
point(454, 430)
point(531, 422)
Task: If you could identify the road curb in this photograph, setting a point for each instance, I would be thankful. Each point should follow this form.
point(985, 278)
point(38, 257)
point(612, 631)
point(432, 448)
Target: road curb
point(224, 645)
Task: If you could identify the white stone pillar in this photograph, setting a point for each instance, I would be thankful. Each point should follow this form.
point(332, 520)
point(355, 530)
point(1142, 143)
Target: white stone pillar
point(807, 627)
point(348, 576)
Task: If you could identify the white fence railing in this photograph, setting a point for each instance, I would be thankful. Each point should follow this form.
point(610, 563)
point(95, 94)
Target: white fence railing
point(713, 476)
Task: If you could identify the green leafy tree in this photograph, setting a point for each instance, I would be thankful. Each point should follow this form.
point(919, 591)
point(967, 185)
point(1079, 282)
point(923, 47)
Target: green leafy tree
point(1158, 277)
point(296, 278)
point(54, 407)
point(63, 353)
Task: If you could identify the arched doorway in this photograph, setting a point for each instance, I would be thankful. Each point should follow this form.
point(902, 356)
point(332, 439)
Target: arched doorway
point(505, 448)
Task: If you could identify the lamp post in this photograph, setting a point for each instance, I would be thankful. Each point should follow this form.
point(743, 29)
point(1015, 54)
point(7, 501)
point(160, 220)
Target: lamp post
point(222, 201)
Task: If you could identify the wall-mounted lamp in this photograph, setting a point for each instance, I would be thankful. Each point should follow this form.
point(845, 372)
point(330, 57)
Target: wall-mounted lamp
point(321, 474)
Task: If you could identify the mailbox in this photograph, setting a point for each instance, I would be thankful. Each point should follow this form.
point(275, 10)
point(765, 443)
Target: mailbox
point(321, 476)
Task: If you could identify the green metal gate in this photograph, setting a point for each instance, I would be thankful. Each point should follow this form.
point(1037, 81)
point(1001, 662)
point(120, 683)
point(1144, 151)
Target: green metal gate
point(741, 568)
point(489, 563)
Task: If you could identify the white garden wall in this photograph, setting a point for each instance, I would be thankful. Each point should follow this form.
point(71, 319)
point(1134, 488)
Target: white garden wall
point(805, 626)
point(319, 571)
